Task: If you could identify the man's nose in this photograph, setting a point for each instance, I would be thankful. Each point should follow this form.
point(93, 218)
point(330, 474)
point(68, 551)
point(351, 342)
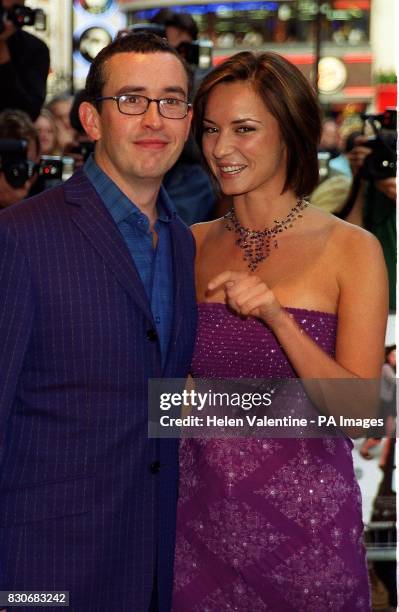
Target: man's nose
point(152, 116)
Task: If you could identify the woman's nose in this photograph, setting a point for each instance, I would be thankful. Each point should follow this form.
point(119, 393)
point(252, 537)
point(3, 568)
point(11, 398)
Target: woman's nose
point(223, 146)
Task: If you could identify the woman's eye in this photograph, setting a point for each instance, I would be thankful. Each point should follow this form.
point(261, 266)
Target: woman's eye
point(209, 130)
point(244, 129)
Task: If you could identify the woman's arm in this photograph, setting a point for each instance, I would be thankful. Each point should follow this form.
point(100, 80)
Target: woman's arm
point(362, 315)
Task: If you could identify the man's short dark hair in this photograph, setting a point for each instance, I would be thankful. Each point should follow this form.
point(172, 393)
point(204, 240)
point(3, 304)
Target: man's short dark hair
point(141, 42)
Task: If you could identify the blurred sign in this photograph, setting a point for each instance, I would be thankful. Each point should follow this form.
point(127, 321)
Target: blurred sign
point(95, 25)
point(332, 75)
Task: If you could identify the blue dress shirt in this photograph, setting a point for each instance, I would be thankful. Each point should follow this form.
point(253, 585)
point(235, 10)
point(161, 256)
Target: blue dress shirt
point(154, 265)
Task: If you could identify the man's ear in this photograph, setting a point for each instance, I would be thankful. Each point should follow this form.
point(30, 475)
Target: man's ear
point(90, 119)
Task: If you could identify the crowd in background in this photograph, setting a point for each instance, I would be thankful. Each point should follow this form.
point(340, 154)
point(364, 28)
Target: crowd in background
point(347, 188)
point(52, 128)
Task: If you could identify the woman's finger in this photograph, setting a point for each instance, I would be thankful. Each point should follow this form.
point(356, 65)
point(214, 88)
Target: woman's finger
point(225, 277)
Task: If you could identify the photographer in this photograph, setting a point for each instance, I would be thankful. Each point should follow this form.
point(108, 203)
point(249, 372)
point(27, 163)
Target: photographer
point(16, 126)
point(24, 64)
point(187, 183)
point(371, 203)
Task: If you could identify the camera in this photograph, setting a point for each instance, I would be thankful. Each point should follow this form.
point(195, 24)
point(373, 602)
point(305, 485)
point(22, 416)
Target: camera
point(54, 169)
point(22, 16)
point(14, 164)
point(17, 169)
point(323, 159)
point(381, 163)
point(197, 53)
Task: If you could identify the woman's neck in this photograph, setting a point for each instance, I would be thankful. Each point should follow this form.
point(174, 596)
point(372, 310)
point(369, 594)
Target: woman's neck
point(258, 211)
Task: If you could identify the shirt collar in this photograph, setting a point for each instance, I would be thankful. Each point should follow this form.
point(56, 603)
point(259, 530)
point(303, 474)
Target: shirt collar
point(118, 204)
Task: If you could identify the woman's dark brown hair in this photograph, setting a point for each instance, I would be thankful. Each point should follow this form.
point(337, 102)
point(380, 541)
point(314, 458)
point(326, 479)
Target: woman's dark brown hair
point(288, 96)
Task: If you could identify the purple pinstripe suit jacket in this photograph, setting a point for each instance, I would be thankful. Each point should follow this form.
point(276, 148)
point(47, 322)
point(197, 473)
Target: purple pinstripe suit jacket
point(80, 508)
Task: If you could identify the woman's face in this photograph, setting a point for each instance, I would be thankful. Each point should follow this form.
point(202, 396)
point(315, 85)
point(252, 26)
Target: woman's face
point(391, 358)
point(46, 133)
point(242, 142)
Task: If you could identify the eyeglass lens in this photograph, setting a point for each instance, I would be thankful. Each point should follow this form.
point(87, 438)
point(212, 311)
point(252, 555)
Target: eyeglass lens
point(171, 108)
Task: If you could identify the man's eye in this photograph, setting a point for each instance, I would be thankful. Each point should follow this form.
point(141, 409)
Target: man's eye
point(131, 99)
point(171, 101)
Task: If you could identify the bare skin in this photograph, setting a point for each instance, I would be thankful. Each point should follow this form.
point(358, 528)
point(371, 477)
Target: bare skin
point(321, 263)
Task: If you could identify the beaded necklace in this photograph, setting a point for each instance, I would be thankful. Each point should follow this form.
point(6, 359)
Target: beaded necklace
point(257, 244)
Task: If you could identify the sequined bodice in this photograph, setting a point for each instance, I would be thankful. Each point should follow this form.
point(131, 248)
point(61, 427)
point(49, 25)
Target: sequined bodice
point(230, 347)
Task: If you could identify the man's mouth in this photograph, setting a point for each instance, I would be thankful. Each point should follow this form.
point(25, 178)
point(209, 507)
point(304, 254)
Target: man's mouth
point(152, 143)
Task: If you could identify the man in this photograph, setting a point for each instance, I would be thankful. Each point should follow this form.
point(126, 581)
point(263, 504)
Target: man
point(180, 28)
point(97, 291)
point(24, 66)
point(15, 125)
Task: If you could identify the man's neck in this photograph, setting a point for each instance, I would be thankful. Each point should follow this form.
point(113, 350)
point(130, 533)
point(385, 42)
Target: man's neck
point(142, 192)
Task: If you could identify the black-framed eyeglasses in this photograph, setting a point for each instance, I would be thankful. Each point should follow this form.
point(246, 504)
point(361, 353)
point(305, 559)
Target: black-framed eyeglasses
point(134, 104)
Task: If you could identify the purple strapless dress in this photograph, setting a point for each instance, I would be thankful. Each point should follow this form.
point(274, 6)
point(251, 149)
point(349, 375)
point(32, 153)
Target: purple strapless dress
point(266, 524)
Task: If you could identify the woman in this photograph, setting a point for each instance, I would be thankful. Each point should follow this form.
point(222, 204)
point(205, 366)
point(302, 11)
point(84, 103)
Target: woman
point(274, 524)
point(47, 130)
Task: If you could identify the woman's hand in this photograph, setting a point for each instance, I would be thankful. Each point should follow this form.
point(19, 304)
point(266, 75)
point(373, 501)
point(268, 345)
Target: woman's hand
point(248, 295)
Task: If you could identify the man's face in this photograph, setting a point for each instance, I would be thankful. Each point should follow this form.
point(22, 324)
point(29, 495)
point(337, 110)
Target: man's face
point(139, 149)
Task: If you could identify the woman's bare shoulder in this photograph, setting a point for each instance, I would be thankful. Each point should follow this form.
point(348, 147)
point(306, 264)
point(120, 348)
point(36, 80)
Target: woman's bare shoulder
point(344, 237)
point(206, 230)
point(352, 239)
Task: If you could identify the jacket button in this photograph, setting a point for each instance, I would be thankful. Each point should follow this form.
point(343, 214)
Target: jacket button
point(155, 467)
point(152, 335)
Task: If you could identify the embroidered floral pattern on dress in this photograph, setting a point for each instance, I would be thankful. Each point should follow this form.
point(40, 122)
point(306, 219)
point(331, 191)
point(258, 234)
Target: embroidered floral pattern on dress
point(315, 579)
point(356, 535)
point(329, 443)
point(336, 536)
point(186, 562)
point(246, 550)
point(236, 462)
point(239, 598)
point(236, 533)
point(307, 490)
point(189, 477)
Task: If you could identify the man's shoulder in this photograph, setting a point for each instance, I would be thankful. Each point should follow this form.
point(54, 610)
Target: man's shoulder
point(28, 43)
point(182, 227)
point(43, 207)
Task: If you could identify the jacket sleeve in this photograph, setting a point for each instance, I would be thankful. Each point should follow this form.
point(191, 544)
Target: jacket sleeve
point(16, 317)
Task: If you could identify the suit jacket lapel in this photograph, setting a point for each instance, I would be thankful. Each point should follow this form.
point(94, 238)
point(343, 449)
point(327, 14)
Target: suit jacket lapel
point(178, 280)
point(93, 220)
